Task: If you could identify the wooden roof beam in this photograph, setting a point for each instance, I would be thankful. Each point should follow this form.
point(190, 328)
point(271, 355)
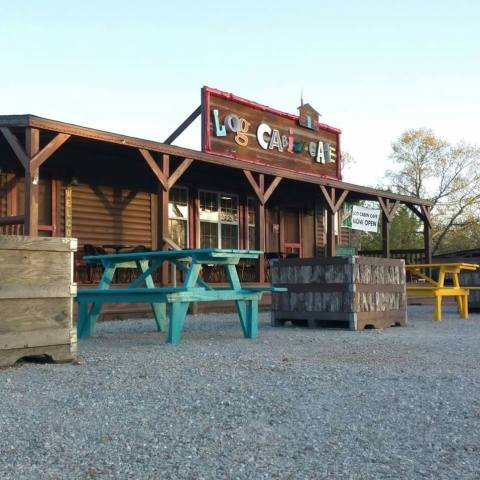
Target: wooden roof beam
point(256, 187)
point(39, 158)
point(389, 209)
point(271, 188)
point(16, 147)
point(48, 150)
point(179, 172)
point(184, 125)
point(333, 204)
point(85, 132)
point(154, 167)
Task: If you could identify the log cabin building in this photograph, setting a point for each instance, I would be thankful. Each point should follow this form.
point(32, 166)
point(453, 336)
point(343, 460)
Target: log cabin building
point(264, 179)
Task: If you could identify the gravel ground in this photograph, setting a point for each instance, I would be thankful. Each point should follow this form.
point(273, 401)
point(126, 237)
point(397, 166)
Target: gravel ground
point(402, 403)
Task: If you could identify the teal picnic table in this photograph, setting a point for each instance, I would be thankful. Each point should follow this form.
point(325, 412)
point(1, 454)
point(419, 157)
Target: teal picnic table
point(194, 289)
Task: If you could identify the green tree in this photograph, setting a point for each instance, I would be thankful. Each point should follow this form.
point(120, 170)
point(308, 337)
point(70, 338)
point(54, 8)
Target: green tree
point(448, 175)
point(405, 232)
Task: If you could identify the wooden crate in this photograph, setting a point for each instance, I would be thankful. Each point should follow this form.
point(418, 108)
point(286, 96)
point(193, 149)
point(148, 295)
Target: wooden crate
point(36, 298)
point(469, 278)
point(349, 292)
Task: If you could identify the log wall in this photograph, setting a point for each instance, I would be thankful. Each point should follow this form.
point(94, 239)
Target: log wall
point(353, 292)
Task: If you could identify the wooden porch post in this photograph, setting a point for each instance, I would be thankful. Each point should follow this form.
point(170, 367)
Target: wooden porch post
point(333, 206)
point(260, 239)
point(385, 236)
point(165, 182)
point(427, 234)
point(263, 194)
point(31, 158)
point(389, 210)
point(162, 221)
point(331, 247)
point(425, 216)
point(32, 147)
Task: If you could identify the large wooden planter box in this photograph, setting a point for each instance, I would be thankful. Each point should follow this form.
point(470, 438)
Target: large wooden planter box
point(350, 292)
point(36, 298)
point(469, 278)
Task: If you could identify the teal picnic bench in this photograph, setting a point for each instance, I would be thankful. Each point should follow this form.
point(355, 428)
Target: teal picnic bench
point(194, 289)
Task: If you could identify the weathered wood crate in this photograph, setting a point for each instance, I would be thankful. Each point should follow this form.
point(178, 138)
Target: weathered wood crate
point(36, 298)
point(349, 292)
point(471, 278)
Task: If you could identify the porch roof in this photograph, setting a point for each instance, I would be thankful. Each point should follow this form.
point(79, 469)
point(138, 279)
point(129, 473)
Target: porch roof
point(33, 121)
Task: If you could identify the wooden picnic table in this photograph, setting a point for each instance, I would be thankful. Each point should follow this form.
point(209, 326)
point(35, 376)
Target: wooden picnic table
point(194, 289)
point(437, 288)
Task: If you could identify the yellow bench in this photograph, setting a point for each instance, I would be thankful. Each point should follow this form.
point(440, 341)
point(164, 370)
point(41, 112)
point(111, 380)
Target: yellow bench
point(437, 288)
point(461, 294)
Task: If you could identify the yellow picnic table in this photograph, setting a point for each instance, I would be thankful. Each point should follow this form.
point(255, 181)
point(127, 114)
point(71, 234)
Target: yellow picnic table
point(437, 288)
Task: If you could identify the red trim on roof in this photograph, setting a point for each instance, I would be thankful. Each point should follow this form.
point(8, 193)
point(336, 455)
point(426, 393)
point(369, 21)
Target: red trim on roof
point(264, 108)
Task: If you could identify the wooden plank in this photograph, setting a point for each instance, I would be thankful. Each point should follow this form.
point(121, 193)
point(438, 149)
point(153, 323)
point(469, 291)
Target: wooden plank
point(181, 169)
point(256, 188)
point(341, 199)
point(328, 199)
point(426, 214)
point(32, 146)
point(381, 319)
point(161, 176)
point(58, 353)
point(427, 240)
point(35, 338)
point(260, 239)
point(21, 290)
point(385, 235)
point(49, 149)
point(330, 233)
point(44, 244)
point(271, 188)
point(184, 125)
point(162, 222)
point(26, 315)
point(16, 147)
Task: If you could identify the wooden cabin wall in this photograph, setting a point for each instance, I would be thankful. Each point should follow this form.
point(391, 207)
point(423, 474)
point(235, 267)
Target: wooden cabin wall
point(45, 192)
point(61, 209)
point(105, 215)
point(319, 229)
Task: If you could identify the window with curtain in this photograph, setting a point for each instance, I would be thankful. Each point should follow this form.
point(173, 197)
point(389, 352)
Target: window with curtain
point(218, 220)
point(178, 216)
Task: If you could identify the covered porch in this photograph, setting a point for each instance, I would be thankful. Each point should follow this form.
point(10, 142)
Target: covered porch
point(110, 190)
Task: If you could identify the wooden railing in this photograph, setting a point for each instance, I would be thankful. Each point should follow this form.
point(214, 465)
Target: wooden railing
point(12, 225)
point(410, 255)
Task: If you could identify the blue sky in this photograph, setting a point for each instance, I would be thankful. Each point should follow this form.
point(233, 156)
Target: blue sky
point(371, 68)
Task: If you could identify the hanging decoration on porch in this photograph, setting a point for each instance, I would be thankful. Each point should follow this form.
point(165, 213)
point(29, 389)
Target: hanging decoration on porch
point(245, 130)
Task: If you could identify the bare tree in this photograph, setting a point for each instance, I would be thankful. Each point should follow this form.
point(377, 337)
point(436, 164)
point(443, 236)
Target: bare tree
point(347, 160)
point(449, 175)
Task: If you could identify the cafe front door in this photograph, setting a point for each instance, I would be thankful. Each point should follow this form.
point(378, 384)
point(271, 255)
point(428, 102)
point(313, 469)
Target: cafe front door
point(292, 231)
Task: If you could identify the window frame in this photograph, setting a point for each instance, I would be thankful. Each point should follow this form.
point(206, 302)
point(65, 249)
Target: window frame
point(187, 218)
point(220, 222)
point(249, 200)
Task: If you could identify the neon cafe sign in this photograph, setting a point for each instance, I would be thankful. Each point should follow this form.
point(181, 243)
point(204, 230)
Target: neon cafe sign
point(269, 138)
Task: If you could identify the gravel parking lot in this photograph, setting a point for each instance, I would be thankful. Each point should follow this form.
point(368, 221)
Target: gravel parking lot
point(293, 404)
